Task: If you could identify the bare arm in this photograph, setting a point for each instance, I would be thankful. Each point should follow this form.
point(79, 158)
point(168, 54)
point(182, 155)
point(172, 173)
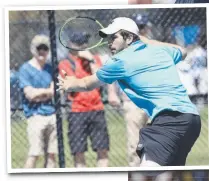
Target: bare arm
point(94, 67)
point(113, 98)
point(39, 94)
point(89, 56)
point(73, 84)
point(155, 42)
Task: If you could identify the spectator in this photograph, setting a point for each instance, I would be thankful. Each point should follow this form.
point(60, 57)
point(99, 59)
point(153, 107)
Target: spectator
point(37, 90)
point(86, 116)
point(144, 25)
point(192, 71)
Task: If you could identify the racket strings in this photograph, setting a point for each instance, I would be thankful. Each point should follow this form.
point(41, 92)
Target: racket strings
point(80, 33)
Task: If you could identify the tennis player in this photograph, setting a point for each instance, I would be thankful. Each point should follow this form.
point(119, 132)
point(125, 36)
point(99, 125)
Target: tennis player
point(146, 71)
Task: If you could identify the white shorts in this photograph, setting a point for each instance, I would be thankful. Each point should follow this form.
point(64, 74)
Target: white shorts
point(42, 134)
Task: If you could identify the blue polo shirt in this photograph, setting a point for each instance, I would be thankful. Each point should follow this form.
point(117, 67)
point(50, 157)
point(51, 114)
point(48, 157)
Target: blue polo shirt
point(30, 76)
point(148, 75)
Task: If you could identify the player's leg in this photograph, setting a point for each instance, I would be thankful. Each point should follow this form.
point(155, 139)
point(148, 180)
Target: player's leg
point(99, 137)
point(135, 119)
point(146, 161)
point(77, 136)
point(35, 138)
point(52, 141)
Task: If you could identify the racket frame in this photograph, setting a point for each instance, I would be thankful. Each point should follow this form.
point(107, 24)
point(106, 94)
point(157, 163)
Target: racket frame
point(100, 43)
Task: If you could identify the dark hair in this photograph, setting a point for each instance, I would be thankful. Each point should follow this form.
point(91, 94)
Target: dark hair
point(80, 38)
point(126, 34)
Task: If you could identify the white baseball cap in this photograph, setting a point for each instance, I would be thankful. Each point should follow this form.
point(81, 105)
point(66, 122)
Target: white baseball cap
point(121, 23)
point(38, 40)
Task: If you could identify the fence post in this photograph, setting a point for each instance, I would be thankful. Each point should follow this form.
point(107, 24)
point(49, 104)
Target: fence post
point(52, 33)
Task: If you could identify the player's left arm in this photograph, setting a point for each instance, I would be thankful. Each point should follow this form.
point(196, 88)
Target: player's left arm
point(155, 42)
point(73, 84)
point(108, 73)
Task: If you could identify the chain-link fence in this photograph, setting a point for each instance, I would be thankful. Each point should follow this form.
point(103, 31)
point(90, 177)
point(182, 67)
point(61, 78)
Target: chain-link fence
point(162, 24)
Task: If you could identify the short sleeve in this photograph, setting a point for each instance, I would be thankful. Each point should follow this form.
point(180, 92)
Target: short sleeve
point(49, 69)
point(175, 53)
point(24, 77)
point(112, 71)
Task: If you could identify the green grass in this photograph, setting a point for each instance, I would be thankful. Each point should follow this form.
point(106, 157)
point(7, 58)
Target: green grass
point(199, 154)
point(117, 153)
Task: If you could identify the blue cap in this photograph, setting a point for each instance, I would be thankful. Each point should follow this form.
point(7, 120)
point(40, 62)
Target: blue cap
point(141, 19)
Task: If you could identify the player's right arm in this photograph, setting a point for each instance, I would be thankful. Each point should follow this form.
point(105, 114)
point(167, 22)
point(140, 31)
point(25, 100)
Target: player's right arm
point(155, 42)
point(91, 58)
point(107, 74)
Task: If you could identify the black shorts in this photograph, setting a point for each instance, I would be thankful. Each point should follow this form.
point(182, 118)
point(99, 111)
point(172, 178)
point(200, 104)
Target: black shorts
point(169, 138)
point(84, 124)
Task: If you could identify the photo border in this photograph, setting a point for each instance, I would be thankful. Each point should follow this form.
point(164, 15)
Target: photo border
point(84, 7)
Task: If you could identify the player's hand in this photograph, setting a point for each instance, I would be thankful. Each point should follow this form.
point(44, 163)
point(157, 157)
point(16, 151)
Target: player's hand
point(85, 55)
point(65, 83)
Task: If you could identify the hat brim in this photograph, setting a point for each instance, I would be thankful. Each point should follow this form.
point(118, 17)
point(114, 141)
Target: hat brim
point(102, 34)
point(108, 31)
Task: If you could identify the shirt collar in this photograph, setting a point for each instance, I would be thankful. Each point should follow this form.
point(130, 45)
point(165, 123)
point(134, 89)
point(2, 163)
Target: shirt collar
point(138, 45)
point(136, 42)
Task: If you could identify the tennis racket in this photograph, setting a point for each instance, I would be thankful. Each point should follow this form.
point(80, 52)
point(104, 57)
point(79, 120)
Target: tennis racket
point(81, 33)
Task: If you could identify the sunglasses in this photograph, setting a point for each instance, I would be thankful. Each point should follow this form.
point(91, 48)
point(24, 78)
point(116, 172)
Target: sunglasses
point(42, 47)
